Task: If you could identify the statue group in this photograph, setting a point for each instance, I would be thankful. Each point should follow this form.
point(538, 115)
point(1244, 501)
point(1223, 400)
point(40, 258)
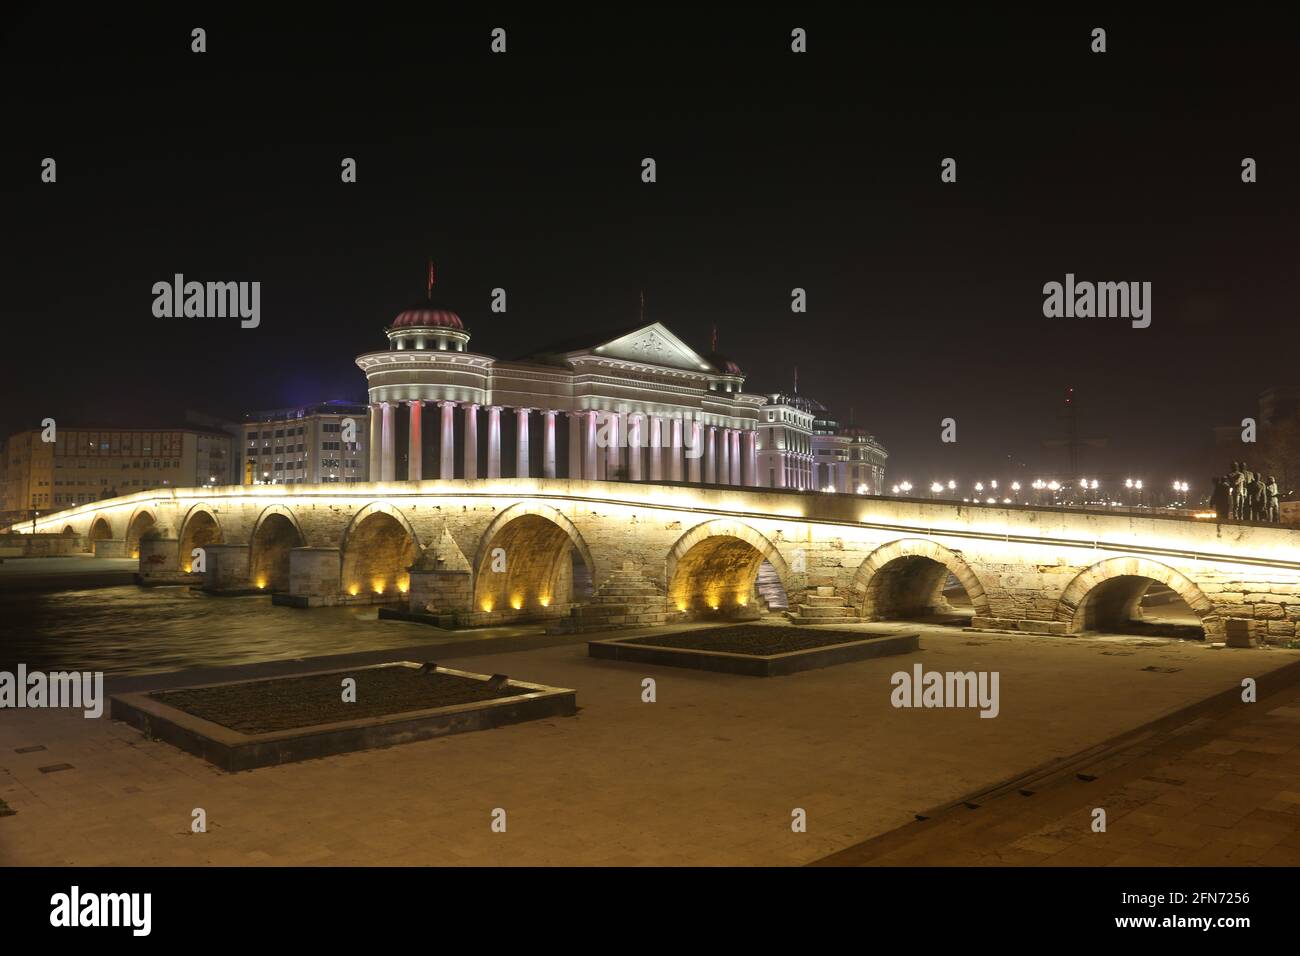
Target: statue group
point(1245, 495)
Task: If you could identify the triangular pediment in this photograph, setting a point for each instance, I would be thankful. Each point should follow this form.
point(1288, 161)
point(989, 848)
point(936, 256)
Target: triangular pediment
point(652, 344)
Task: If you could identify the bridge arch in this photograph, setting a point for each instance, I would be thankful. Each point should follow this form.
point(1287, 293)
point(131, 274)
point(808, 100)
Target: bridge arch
point(377, 548)
point(275, 534)
point(143, 520)
point(101, 529)
point(199, 528)
point(905, 578)
point(714, 566)
point(1107, 595)
point(541, 550)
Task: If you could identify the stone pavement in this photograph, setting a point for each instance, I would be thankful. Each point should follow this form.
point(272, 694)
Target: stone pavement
point(1218, 787)
point(707, 775)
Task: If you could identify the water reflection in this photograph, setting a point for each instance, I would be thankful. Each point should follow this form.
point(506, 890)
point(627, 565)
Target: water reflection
point(132, 630)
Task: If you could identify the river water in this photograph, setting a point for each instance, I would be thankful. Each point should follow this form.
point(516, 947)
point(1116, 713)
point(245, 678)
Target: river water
point(134, 630)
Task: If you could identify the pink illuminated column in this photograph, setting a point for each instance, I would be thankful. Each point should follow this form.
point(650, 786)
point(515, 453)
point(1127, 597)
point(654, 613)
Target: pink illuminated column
point(471, 440)
point(695, 453)
point(521, 442)
point(735, 457)
point(589, 446)
point(711, 457)
point(751, 459)
point(415, 447)
point(724, 457)
point(447, 465)
point(388, 468)
point(494, 442)
point(634, 446)
point(548, 444)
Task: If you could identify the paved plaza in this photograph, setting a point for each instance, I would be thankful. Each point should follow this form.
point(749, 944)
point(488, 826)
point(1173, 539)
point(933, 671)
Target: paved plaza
point(708, 774)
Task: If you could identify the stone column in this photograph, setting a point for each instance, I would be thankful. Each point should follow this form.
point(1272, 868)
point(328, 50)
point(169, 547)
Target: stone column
point(415, 450)
point(751, 459)
point(447, 467)
point(711, 457)
point(696, 453)
point(780, 469)
point(494, 442)
point(521, 442)
point(634, 446)
point(471, 440)
point(656, 448)
point(735, 456)
point(724, 457)
point(388, 467)
point(589, 446)
point(675, 462)
point(376, 442)
point(612, 455)
point(548, 444)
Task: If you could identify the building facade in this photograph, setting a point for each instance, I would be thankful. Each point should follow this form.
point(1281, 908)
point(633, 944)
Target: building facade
point(311, 444)
point(635, 405)
point(86, 464)
point(864, 467)
point(785, 433)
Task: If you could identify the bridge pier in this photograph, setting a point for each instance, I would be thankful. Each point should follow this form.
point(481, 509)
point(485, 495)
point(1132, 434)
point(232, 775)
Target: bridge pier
point(227, 568)
point(314, 577)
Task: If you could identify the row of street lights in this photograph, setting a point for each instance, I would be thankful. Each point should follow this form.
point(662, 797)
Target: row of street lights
point(1086, 489)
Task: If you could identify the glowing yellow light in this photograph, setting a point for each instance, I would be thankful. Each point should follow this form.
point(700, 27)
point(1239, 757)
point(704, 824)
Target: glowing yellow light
point(261, 582)
point(378, 587)
point(713, 606)
point(681, 606)
point(403, 588)
point(187, 569)
point(545, 602)
point(742, 602)
point(516, 602)
point(487, 604)
point(353, 590)
point(135, 554)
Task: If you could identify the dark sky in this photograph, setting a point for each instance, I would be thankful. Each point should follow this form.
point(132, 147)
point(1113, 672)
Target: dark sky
point(775, 171)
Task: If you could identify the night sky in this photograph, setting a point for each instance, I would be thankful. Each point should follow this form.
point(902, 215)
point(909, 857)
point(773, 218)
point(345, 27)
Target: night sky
point(775, 170)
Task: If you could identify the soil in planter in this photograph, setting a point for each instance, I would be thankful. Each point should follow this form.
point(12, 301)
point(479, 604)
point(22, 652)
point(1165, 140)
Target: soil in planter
point(760, 640)
point(261, 707)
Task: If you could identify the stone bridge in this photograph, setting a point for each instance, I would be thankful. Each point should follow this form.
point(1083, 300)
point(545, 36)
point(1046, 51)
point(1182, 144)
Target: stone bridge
point(615, 553)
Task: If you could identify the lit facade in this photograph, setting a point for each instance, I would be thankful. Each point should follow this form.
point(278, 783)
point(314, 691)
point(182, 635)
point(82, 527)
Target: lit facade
point(785, 441)
point(307, 445)
point(87, 464)
point(639, 405)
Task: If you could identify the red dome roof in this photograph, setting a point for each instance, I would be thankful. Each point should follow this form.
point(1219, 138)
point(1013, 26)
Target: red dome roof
point(724, 365)
point(428, 317)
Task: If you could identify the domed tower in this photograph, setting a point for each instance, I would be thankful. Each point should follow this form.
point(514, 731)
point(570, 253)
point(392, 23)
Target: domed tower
point(421, 326)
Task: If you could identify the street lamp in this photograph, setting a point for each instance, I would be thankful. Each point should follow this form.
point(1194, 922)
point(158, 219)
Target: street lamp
point(936, 488)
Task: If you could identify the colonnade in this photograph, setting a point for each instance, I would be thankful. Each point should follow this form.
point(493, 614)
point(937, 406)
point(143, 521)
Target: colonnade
point(603, 445)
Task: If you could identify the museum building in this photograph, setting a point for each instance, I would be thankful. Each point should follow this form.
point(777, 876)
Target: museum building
point(637, 404)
